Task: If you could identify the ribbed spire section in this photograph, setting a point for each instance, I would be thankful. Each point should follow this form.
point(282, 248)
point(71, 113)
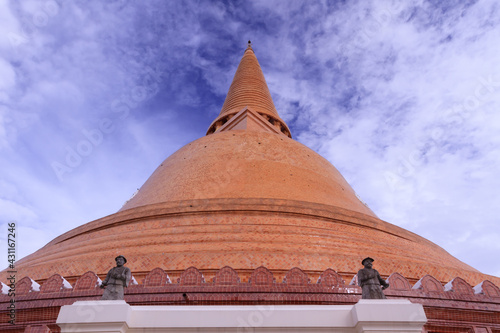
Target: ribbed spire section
point(249, 89)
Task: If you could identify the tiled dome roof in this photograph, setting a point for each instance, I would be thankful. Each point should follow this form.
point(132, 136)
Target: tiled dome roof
point(246, 195)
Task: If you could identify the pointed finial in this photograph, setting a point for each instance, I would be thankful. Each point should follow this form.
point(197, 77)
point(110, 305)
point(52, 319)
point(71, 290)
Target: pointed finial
point(249, 90)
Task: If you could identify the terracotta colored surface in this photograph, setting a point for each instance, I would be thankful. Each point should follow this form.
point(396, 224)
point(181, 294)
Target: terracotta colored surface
point(245, 164)
point(244, 234)
point(246, 198)
point(249, 89)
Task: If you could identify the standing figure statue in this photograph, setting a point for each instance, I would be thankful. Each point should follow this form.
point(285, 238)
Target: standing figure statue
point(118, 278)
point(370, 281)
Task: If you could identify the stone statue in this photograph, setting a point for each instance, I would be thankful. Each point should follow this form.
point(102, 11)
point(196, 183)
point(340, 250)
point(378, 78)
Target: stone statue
point(117, 278)
point(370, 281)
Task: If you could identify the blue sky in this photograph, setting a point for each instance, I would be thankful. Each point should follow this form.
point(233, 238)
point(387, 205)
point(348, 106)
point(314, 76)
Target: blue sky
point(401, 96)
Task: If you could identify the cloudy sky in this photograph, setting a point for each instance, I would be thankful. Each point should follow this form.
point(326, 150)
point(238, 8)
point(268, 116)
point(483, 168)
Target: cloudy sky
point(402, 97)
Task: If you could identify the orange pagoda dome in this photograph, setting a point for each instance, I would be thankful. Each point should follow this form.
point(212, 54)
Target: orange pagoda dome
point(245, 195)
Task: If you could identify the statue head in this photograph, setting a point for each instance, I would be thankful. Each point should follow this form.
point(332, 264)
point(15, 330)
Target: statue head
point(120, 260)
point(367, 262)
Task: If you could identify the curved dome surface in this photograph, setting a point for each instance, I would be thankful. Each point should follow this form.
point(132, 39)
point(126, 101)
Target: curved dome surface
point(245, 199)
point(245, 196)
point(244, 164)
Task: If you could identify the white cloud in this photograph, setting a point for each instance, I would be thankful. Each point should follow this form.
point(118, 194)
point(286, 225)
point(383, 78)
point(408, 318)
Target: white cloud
point(8, 76)
point(12, 211)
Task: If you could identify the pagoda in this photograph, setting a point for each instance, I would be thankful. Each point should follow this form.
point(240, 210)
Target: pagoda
point(247, 203)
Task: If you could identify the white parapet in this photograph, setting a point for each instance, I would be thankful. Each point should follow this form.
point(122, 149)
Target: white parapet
point(365, 316)
point(380, 315)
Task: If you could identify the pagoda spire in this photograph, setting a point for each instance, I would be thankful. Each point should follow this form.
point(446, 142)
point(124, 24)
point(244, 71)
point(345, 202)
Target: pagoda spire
point(249, 90)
